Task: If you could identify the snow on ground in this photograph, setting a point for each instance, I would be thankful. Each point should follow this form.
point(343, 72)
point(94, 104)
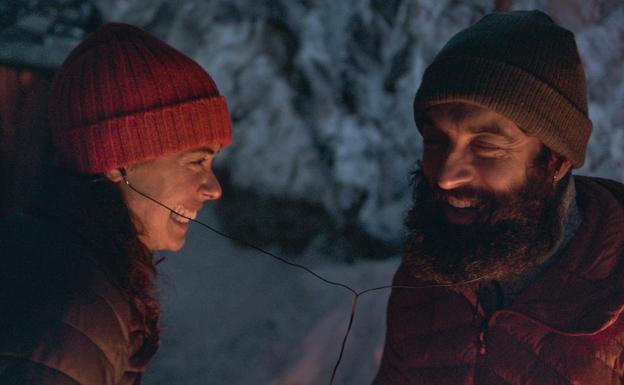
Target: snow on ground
point(236, 316)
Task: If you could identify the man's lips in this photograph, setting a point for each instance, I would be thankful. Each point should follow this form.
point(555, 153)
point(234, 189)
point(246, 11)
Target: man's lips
point(460, 211)
point(459, 216)
point(461, 203)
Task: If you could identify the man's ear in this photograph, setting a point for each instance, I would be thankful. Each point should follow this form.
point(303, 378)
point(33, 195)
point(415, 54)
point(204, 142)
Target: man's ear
point(562, 166)
point(114, 175)
point(566, 165)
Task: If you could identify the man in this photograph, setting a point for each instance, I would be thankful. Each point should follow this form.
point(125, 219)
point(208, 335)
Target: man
point(136, 126)
point(513, 269)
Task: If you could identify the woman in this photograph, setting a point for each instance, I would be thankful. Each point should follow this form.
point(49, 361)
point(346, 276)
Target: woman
point(131, 118)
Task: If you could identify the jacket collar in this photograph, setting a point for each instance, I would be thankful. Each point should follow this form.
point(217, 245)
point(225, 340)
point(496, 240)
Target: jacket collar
point(584, 291)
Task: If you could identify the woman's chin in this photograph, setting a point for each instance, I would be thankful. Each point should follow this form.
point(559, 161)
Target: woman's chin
point(172, 243)
point(176, 246)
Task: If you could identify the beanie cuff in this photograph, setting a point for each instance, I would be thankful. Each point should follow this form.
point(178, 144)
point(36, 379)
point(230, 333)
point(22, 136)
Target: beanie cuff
point(536, 107)
point(145, 135)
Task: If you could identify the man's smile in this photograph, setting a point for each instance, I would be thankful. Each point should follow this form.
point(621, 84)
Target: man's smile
point(461, 203)
point(460, 211)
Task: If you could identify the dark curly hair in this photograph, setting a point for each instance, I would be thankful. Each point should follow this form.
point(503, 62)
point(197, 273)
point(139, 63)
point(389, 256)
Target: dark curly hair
point(106, 223)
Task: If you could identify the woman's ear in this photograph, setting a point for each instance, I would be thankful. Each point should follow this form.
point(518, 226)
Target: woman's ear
point(114, 175)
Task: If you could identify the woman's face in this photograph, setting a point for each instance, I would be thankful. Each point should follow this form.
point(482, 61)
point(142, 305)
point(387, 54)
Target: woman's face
point(182, 182)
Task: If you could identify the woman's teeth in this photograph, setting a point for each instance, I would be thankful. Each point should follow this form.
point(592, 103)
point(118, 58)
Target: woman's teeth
point(182, 215)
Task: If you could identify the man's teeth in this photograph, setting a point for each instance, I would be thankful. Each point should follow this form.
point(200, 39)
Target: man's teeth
point(180, 213)
point(461, 204)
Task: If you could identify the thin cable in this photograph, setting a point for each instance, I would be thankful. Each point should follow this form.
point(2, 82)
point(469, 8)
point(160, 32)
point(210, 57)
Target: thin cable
point(431, 286)
point(354, 306)
point(281, 259)
point(355, 293)
point(344, 340)
point(243, 242)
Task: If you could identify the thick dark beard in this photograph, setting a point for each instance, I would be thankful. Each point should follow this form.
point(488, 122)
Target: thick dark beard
point(510, 234)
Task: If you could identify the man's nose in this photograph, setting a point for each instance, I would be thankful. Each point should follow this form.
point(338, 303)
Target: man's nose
point(210, 189)
point(456, 170)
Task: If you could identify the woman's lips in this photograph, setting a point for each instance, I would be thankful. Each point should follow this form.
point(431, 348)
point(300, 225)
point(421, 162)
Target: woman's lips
point(181, 225)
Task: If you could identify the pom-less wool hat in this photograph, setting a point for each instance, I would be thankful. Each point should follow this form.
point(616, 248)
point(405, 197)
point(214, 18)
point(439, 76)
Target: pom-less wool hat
point(521, 65)
point(123, 96)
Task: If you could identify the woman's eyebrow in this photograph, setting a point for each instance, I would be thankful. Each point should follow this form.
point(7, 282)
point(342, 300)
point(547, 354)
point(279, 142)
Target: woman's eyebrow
point(202, 150)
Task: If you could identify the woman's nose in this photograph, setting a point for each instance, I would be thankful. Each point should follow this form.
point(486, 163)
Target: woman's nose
point(210, 189)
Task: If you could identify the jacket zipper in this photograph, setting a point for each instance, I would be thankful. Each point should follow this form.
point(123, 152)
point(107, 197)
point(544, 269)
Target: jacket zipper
point(485, 321)
point(482, 338)
point(478, 315)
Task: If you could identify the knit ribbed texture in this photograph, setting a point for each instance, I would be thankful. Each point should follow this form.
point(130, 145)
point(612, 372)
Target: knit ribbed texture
point(523, 66)
point(123, 96)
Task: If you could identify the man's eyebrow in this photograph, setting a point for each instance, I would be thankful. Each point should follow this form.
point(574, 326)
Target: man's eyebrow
point(428, 122)
point(491, 128)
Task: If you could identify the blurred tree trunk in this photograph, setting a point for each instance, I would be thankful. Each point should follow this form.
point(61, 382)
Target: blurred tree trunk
point(579, 14)
point(24, 137)
point(502, 5)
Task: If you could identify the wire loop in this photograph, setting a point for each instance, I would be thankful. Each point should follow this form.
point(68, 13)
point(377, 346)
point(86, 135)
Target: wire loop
point(356, 294)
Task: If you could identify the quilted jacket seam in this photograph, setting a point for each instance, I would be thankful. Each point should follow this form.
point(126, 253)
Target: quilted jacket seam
point(537, 357)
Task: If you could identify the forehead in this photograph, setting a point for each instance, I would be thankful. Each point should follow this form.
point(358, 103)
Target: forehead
point(469, 118)
point(205, 150)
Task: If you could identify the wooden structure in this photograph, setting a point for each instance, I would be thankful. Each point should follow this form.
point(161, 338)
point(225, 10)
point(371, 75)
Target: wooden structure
point(24, 137)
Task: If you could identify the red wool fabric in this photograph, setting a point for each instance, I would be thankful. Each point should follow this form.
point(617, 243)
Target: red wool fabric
point(123, 96)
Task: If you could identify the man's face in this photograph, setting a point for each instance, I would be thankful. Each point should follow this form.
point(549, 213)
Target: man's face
point(485, 205)
point(468, 149)
point(182, 181)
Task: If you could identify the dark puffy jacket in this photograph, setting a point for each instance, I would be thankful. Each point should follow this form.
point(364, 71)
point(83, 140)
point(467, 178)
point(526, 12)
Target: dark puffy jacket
point(567, 327)
point(63, 321)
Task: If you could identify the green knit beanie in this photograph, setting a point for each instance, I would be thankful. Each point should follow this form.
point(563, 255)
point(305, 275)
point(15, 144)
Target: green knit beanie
point(521, 65)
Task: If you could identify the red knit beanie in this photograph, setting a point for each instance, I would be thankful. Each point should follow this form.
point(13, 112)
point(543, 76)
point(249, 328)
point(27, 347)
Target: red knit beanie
point(123, 96)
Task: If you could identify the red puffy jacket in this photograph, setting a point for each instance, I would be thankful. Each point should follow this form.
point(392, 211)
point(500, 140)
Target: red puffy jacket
point(567, 327)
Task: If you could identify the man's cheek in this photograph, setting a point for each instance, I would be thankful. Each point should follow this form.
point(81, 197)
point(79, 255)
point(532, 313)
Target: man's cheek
point(500, 174)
